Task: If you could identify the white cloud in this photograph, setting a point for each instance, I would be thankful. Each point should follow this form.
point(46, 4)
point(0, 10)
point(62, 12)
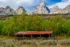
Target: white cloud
point(27, 4)
point(18, 1)
point(24, 1)
point(62, 4)
point(3, 0)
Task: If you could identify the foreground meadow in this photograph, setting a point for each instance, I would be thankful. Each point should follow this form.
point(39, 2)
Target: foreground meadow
point(34, 43)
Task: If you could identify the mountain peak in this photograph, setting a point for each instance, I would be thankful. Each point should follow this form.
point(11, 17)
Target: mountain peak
point(42, 4)
point(41, 9)
point(20, 7)
point(7, 7)
point(20, 10)
point(67, 8)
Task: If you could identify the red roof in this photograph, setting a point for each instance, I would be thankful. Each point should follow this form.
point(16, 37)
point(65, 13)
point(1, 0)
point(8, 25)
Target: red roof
point(34, 33)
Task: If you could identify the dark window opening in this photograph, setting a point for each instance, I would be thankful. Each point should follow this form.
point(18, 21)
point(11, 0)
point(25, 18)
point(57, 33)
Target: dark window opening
point(19, 36)
point(35, 36)
point(27, 35)
point(45, 36)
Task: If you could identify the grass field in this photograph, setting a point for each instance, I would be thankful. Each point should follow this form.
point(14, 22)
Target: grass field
point(34, 43)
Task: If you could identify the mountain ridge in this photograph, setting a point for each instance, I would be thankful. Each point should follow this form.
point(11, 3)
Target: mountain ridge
point(40, 9)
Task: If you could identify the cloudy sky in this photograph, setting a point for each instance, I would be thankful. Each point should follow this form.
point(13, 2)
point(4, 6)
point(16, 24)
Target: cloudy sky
point(29, 5)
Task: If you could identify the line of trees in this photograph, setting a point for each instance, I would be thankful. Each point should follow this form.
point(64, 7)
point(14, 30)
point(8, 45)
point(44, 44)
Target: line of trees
point(59, 25)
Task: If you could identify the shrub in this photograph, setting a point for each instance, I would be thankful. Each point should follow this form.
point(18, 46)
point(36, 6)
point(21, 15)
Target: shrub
point(64, 42)
point(49, 42)
point(58, 24)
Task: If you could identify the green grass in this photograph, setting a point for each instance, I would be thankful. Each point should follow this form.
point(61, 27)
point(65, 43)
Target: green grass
point(34, 43)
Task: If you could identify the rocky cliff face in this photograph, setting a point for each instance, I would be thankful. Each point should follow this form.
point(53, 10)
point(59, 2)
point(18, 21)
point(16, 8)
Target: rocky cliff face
point(57, 10)
point(6, 11)
point(67, 8)
point(2, 11)
point(20, 10)
point(64, 11)
point(9, 10)
point(41, 9)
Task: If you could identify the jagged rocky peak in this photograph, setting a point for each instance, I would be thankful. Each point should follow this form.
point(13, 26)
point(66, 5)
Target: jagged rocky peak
point(20, 10)
point(56, 7)
point(42, 4)
point(20, 7)
point(7, 7)
point(1, 8)
point(9, 10)
point(55, 10)
point(2, 11)
point(67, 8)
point(41, 9)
